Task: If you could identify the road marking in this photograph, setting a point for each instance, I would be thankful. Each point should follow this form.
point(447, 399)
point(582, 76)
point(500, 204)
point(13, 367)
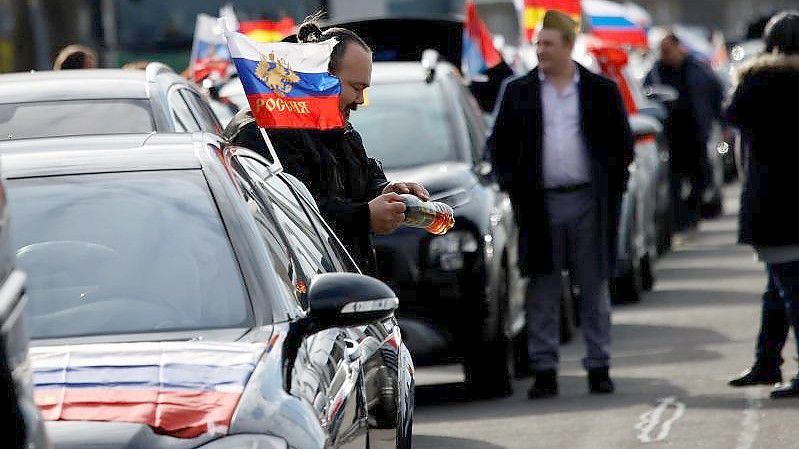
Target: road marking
point(650, 420)
point(750, 423)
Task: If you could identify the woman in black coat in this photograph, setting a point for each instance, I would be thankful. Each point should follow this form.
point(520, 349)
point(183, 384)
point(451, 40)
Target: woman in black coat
point(768, 89)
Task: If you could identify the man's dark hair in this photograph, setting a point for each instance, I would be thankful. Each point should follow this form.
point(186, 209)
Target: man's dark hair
point(672, 37)
point(309, 31)
point(782, 33)
point(75, 57)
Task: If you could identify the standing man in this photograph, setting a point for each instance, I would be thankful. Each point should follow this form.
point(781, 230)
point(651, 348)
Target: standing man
point(350, 188)
point(690, 124)
point(561, 145)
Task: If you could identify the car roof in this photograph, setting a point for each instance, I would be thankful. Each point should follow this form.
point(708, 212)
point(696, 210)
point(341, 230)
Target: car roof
point(103, 154)
point(403, 72)
point(90, 84)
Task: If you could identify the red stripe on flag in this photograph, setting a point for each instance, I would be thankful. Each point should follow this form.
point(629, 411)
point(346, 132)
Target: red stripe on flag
point(273, 111)
point(636, 37)
point(479, 32)
point(567, 6)
point(178, 413)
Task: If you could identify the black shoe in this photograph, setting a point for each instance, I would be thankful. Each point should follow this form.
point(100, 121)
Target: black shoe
point(786, 390)
point(545, 385)
point(755, 376)
point(599, 381)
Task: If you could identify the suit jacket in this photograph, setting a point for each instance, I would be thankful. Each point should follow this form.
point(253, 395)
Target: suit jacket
point(516, 149)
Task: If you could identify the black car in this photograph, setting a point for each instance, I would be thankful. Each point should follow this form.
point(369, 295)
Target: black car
point(187, 295)
point(424, 125)
point(101, 101)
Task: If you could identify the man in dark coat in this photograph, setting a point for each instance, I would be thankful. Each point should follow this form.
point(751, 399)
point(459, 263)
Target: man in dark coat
point(350, 188)
point(760, 109)
point(690, 124)
point(561, 145)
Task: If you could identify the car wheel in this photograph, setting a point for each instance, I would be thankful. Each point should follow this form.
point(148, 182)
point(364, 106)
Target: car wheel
point(713, 209)
point(489, 365)
point(626, 288)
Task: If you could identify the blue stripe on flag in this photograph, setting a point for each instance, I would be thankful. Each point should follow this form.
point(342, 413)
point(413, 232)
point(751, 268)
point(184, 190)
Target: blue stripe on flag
point(172, 376)
point(309, 84)
point(611, 22)
point(473, 56)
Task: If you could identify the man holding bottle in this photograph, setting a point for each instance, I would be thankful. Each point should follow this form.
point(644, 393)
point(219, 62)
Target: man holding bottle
point(350, 188)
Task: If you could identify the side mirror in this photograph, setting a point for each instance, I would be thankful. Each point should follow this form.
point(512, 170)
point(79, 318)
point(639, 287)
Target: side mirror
point(348, 299)
point(662, 93)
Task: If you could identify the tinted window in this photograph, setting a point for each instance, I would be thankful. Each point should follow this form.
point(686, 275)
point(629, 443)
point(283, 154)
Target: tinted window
point(474, 121)
point(308, 248)
point(74, 118)
point(125, 253)
point(181, 114)
point(406, 124)
point(202, 113)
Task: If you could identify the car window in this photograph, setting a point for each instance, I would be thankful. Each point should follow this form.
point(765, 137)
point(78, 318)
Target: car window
point(406, 124)
point(75, 118)
point(181, 114)
point(282, 259)
point(474, 121)
point(202, 113)
point(119, 253)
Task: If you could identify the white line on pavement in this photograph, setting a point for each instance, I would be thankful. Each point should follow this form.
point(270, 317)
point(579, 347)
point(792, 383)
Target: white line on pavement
point(650, 420)
point(750, 423)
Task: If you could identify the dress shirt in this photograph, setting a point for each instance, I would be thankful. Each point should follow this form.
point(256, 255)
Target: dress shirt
point(565, 158)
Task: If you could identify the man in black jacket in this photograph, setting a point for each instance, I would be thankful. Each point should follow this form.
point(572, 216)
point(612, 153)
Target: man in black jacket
point(350, 188)
point(561, 145)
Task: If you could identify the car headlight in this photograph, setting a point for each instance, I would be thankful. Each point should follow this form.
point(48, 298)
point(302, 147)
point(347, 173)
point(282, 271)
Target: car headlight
point(446, 251)
point(247, 442)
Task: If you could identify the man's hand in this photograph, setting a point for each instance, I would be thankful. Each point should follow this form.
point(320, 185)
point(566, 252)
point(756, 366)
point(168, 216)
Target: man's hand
point(386, 213)
point(408, 187)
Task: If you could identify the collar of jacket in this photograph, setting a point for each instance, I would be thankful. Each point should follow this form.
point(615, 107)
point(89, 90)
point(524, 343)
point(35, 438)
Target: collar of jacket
point(769, 63)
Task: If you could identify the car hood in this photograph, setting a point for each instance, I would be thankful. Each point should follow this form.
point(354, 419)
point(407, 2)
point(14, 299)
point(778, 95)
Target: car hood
point(183, 389)
point(439, 179)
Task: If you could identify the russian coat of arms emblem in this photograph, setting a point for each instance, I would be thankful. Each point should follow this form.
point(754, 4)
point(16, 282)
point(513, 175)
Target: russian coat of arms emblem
point(277, 74)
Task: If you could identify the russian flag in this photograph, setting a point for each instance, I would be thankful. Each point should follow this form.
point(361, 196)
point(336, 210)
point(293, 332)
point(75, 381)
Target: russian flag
point(610, 21)
point(181, 389)
point(209, 54)
point(479, 53)
point(287, 84)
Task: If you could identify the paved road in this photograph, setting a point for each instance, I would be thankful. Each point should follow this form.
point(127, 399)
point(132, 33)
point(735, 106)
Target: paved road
point(673, 354)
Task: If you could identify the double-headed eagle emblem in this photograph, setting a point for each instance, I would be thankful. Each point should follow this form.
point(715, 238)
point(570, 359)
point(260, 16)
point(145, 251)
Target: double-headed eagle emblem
point(277, 74)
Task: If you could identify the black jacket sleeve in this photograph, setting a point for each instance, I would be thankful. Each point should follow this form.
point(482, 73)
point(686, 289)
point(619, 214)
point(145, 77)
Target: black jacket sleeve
point(624, 149)
point(500, 152)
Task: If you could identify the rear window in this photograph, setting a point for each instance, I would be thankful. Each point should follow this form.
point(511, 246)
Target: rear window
point(75, 118)
point(122, 253)
point(406, 125)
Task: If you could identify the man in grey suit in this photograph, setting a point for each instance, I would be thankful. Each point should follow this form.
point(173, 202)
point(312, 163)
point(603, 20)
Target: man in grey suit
point(561, 145)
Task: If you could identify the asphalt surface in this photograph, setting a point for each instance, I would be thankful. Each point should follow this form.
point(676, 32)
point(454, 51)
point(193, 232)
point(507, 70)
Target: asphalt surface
point(673, 354)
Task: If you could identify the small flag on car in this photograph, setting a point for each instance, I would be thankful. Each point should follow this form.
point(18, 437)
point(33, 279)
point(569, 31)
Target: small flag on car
point(209, 52)
point(479, 53)
point(287, 84)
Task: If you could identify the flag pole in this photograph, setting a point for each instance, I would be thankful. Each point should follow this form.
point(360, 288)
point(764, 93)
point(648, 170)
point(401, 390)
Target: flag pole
point(274, 164)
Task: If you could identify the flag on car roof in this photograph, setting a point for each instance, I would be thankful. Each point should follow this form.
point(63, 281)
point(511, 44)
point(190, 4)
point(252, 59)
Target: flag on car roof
point(268, 30)
point(534, 11)
point(209, 52)
point(611, 22)
point(479, 53)
point(287, 84)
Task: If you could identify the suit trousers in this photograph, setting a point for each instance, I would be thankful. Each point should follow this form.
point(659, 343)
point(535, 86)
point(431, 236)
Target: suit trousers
point(574, 225)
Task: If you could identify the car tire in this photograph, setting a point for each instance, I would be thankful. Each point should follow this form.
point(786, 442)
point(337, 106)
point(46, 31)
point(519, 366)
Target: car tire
point(489, 365)
point(626, 289)
point(713, 209)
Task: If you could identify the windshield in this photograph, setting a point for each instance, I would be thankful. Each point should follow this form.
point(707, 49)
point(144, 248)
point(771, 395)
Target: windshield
point(405, 125)
point(75, 118)
point(124, 253)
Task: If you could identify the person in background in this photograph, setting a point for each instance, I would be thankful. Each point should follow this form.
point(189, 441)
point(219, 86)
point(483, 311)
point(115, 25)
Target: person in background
point(768, 87)
point(561, 145)
point(76, 57)
point(689, 126)
point(350, 188)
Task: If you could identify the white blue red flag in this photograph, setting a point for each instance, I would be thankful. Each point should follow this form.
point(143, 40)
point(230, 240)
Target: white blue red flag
point(479, 53)
point(209, 52)
point(287, 84)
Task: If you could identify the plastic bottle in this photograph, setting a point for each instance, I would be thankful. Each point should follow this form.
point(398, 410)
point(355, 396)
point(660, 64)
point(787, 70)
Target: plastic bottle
point(437, 218)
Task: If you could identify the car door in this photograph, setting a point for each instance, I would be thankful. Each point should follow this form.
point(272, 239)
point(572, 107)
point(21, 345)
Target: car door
point(327, 372)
